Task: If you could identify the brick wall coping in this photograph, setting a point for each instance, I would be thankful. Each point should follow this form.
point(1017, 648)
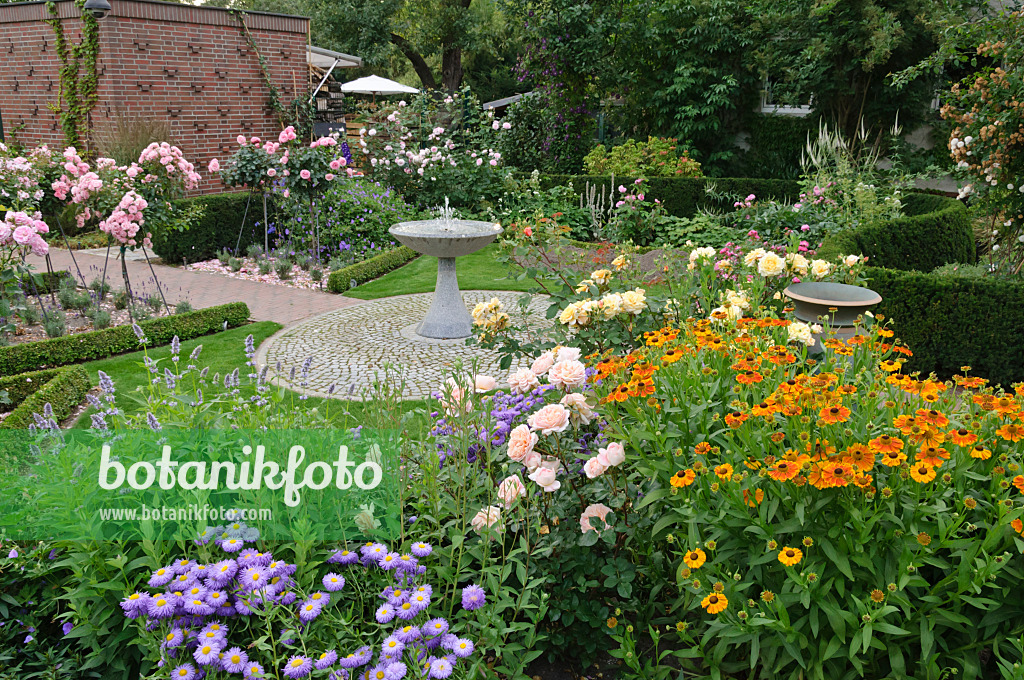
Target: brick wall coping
point(155, 10)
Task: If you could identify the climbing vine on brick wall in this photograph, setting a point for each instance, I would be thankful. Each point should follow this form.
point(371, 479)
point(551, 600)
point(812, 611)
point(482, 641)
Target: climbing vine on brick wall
point(79, 77)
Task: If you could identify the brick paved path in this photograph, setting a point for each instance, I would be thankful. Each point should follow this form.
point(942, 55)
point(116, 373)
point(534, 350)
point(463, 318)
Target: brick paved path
point(267, 302)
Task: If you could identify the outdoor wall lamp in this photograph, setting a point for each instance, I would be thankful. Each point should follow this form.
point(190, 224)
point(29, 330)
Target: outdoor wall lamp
point(99, 9)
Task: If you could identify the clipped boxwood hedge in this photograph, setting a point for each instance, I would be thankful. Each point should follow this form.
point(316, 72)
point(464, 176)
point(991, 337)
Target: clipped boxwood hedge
point(684, 196)
point(63, 389)
point(947, 321)
point(371, 268)
point(219, 228)
point(951, 321)
point(73, 349)
point(935, 231)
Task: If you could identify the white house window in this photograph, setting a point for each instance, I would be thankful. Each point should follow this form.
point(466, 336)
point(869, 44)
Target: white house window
point(768, 104)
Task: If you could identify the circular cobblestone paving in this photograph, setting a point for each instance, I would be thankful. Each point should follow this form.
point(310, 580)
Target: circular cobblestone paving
point(352, 347)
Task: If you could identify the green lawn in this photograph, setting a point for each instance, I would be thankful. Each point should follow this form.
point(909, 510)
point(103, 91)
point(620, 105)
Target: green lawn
point(479, 271)
point(222, 352)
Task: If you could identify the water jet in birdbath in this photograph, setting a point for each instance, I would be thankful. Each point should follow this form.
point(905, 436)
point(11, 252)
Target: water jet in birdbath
point(446, 238)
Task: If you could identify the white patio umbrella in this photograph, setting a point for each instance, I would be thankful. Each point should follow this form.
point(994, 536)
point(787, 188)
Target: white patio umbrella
point(376, 85)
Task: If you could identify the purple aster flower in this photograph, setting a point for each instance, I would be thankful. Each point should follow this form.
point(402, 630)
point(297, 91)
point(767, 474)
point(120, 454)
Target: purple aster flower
point(223, 571)
point(358, 658)
point(252, 670)
point(385, 613)
point(161, 576)
point(407, 611)
point(207, 653)
point(440, 668)
point(174, 638)
point(426, 588)
point(392, 646)
point(340, 674)
point(326, 660)
point(308, 611)
point(388, 561)
point(333, 582)
point(420, 600)
point(321, 599)
point(473, 597)
point(378, 672)
point(254, 578)
point(231, 544)
point(297, 667)
point(395, 671)
point(408, 634)
point(161, 606)
point(217, 598)
point(435, 627)
point(234, 660)
point(135, 602)
point(407, 562)
point(421, 549)
point(185, 671)
point(462, 648)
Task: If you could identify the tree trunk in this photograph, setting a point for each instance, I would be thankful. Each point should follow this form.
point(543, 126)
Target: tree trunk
point(419, 64)
point(451, 69)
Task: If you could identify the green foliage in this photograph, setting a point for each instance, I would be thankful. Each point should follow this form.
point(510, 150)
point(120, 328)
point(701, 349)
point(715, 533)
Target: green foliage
point(341, 280)
point(63, 389)
point(100, 319)
point(936, 231)
point(684, 197)
point(55, 323)
point(954, 321)
point(78, 73)
point(687, 65)
point(529, 145)
point(219, 227)
point(657, 157)
point(525, 201)
point(776, 144)
point(99, 344)
point(283, 267)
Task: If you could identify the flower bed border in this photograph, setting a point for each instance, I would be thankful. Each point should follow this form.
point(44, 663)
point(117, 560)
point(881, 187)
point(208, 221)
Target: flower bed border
point(62, 388)
point(369, 269)
point(684, 196)
point(73, 349)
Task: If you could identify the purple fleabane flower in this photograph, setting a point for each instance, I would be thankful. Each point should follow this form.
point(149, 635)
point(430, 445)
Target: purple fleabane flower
point(440, 668)
point(207, 654)
point(333, 582)
point(385, 613)
point(252, 670)
point(435, 627)
point(185, 671)
point(421, 549)
point(473, 597)
point(461, 648)
point(308, 611)
point(326, 660)
point(297, 667)
point(356, 659)
point(234, 660)
point(162, 606)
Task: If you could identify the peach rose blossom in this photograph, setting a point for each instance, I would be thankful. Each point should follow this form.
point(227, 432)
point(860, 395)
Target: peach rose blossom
point(487, 517)
point(521, 442)
point(485, 383)
point(598, 510)
point(594, 468)
point(532, 460)
point(523, 380)
point(549, 419)
point(454, 398)
point(568, 374)
point(579, 409)
point(545, 477)
point(613, 455)
point(511, 490)
point(542, 363)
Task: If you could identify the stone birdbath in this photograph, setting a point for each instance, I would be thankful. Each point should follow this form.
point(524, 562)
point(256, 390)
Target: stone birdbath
point(446, 239)
point(841, 304)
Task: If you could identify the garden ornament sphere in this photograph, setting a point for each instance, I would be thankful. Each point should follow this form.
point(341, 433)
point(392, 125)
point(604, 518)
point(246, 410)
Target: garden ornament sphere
point(838, 305)
point(99, 9)
point(446, 239)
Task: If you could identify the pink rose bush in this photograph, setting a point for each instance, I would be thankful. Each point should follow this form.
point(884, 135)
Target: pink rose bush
point(430, 150)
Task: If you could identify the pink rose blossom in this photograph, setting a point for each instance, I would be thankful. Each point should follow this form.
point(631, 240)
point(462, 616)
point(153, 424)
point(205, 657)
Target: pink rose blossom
point(567, 354)
point(214, 165)
point(549, 419)
point(542, 363)
point(511, 490)
point(484, 383)
point(612, 455)
point(304, 174)
point(579, 409)
point(598, 510)
point(521, 442)
point(486, 517)
point(271, 172)
point(594, 468)
point(329, 176)
point(546, 478)
point(522, 381)
point(568, 374)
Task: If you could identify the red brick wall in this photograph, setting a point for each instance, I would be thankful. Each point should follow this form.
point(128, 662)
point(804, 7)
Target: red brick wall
point(189, 66)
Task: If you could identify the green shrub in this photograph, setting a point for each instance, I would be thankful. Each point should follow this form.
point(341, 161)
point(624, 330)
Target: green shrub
point(936, 231)
point(63, 389)
point(121, 299)
point(100, 319)
point(657, 157)
point(44, 282)
point(283, 267)
point(101, 344)
point(219, 227)
point(55, 324)
point(367, 270)
point(951, 321)
point(183, 307)
point(234, 264)
point(685, 196)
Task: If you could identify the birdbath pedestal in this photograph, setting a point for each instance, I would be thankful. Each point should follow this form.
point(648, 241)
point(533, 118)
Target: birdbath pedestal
point(840, 304)
point(446, 240)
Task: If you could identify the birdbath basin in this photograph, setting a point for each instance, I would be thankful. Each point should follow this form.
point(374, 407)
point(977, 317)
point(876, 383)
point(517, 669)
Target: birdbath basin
point(446, 239)
point(841, 304)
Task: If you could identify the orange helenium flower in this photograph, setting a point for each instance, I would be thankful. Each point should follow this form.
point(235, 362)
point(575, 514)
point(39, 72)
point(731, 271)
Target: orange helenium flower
point(790, 556)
